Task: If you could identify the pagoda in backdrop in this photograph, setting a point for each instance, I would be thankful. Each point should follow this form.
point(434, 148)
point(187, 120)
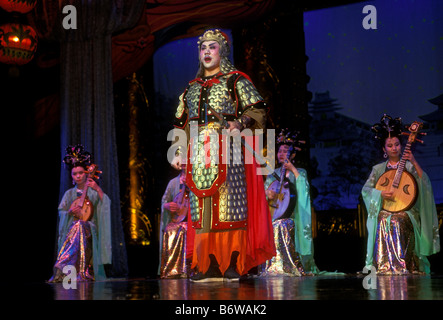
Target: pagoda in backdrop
point(430, 154)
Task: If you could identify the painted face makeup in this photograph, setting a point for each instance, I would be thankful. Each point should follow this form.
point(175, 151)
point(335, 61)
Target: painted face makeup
point(210, 57)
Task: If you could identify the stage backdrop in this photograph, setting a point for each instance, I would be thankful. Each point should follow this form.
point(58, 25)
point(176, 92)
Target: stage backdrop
point(359, 74)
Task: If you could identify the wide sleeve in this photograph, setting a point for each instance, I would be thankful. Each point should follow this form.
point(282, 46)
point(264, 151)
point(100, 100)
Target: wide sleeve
point(65, 218)
point(302, 213)
point(426, 211)
point(373, 202)
point(103, 208)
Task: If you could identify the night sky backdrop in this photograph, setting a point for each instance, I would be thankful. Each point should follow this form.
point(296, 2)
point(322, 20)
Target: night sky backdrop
point(394, 69)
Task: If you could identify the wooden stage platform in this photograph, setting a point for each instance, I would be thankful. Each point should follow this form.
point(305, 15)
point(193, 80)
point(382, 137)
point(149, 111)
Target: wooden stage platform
point(321, 287)
point(274, 298)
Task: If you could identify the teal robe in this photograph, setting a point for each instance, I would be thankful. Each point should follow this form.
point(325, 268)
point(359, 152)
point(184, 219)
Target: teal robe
point(301, 216)
point(100, 228)
point(423, 215)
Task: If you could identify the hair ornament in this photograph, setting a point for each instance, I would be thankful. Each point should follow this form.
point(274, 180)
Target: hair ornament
point(77, 156)
point(387, 128)
point(287, 137)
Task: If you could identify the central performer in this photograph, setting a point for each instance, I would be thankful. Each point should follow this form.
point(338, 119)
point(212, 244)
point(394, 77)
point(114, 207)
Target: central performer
point(229, 211)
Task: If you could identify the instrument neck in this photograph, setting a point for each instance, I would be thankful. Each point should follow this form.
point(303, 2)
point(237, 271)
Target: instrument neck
point(282, 178)
point(401, 167)
point(84, 192)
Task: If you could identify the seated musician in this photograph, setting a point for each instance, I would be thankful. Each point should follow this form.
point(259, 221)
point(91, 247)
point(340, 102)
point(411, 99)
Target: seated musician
point(84, 241)
point(399, 242)
point(174, 248)
point(291, 215)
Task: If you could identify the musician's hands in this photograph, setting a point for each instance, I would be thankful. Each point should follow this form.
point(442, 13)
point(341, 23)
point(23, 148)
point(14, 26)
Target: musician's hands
point(76, 212)
point(234, 128)
point(407, 155)
point(177, 162)
point(183, 179)
point(290, 167)
point(92, 184)
point(270, 194)
point(171, 206)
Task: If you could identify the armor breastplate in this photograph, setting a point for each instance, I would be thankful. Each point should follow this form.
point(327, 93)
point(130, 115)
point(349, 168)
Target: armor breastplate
point(228, 94)
point(225, 184)
point(217, 96)
point(211, 174)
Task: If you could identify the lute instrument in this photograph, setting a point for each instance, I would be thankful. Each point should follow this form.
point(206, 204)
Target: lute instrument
point(87, 208)
point(401, 182)
point(182, 200)
point(285, 199)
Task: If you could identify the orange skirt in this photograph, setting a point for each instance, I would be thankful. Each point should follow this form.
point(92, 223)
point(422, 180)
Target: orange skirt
point(255, 244)
point(221, 245)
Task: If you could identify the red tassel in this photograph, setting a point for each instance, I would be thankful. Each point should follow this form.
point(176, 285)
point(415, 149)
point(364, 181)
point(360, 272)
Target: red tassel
point(207, 148)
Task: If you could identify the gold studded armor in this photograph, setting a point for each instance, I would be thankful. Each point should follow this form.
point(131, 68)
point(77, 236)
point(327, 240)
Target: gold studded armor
point(218, 196)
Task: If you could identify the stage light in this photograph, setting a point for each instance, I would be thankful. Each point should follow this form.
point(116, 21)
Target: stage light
point(18, 43)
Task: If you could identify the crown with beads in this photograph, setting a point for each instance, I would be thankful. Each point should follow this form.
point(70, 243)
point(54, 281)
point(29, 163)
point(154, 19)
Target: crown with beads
point(216, 35)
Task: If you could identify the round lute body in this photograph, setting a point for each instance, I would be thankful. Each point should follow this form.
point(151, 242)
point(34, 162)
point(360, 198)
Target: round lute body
point(405, 194)
point(280, 204)
point(182, 200)
point(87, 209)
point(401, 182)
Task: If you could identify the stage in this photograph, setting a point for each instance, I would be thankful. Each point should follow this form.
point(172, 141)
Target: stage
point(320, 287)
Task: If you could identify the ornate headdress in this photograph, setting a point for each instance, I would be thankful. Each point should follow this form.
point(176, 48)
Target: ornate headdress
point(286, 137)
point(220, 37)
point(387, 128)
point(77, 156)
point(226, 65)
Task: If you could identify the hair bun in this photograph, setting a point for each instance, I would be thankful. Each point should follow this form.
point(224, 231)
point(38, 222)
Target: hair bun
point(77, 156)
point(387, 128)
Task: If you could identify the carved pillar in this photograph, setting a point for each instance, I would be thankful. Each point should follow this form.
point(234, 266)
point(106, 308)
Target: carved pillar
point(139, 227)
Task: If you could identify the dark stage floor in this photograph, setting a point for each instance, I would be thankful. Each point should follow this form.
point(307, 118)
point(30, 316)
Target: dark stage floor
point(322, 287)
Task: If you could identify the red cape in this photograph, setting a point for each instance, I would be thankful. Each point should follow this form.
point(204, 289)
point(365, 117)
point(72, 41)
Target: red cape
point(260, 234)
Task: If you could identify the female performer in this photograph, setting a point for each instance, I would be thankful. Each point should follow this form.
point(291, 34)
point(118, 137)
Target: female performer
point(293, 229)
point(176, 239)
point(399, 242)
point(85, 245)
